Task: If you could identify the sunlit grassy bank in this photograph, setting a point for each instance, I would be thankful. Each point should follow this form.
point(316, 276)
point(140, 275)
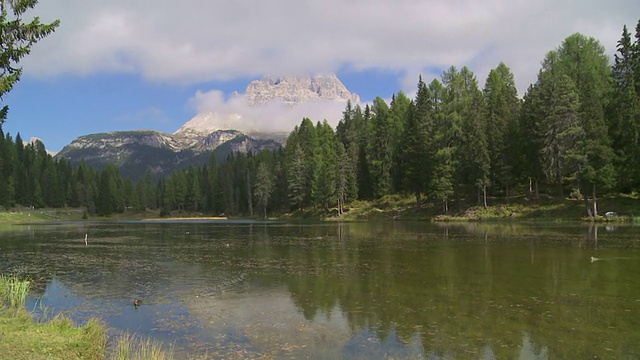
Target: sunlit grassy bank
point(396, 207)
point(59, 338)
point(391, 207)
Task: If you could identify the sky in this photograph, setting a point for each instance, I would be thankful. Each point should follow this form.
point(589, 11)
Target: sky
point(154, 64)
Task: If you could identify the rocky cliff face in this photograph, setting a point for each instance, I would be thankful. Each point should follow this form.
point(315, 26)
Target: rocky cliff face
point(294, 90)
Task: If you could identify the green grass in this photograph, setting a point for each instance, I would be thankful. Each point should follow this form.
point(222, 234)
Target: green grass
point(26, 215)
point(132, 347)
point(13, 291)
point(518, 208)
point(22, 338)
point(59, 338)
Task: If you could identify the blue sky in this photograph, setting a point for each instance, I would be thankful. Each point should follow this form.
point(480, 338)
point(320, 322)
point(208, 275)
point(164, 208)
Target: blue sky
point(121, 65)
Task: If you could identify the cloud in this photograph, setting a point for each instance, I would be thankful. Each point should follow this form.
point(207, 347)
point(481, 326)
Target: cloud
point(235, 113)
point(201, 40)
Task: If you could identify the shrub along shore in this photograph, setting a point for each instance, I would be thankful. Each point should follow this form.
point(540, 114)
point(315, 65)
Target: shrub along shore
point(59, 338)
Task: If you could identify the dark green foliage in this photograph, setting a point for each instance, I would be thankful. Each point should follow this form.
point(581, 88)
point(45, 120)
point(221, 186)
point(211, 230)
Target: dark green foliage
point(380, 149)
point(263, 187)
point(501, 107)
point(624, 111)
point(350, 132)
point(416, 151)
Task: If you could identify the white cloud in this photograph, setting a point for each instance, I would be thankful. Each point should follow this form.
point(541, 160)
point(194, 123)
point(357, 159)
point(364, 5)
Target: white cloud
point(235, 113)
point(269, 117)
point(200, 40)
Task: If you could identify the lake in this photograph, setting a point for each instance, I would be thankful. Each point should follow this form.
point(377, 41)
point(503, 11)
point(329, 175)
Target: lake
point(363, 290)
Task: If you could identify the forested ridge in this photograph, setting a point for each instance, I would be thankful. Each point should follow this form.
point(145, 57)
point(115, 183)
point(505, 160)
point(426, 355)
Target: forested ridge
point(576, 131)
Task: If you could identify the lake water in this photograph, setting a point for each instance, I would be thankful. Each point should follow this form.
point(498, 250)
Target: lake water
point(371, 290)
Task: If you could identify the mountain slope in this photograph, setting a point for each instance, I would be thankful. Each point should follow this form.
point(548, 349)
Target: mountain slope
point(135, 151)
point(216, 133)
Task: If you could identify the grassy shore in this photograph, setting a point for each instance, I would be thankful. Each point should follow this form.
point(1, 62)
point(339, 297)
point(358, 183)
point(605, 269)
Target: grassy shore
point(59, 338)
point(546, 208)
point(391, 207)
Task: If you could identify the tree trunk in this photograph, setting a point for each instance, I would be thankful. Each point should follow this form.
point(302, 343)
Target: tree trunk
point(419, 199)
point(484, 196)
point(249, 199)
point(586, 206)
point(560, 189)
point(507, 193)
point(595, 202)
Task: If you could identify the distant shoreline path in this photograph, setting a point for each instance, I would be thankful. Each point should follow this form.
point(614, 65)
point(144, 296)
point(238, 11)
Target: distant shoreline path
point(189, 218)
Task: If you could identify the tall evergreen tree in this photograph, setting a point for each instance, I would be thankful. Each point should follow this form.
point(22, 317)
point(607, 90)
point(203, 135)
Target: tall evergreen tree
point(584, 61)
point(264, 187)
point(463, 108)
point(17, 37)
point(417, 158)
point(325, 160)
point(380, 149)
point(349, 131)
point(363, 168)
point(399, 111)
point(559, 129)
point(624, 112)
point(445, 140)
point(296, 175)
point(501, 107)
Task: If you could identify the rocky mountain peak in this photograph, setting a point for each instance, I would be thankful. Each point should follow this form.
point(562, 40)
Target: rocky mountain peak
point(290, 90)
point(293, 90)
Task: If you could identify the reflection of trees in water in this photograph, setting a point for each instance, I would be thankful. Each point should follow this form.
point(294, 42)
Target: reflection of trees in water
point(553, 303)
point(468, 290)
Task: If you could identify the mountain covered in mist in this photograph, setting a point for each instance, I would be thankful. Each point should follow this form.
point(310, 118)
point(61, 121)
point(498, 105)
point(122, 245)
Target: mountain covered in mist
point(213, 133)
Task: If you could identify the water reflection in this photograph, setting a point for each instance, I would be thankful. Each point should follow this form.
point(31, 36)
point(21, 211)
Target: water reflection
point(361, 290)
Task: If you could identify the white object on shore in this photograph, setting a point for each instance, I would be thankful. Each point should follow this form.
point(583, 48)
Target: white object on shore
point(85, 239)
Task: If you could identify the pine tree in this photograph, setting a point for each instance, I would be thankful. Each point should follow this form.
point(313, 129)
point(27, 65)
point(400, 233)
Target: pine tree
point(584, 60)
point(264, 187)
point(501, 106)
point(344, 174)
point(399, 111)
point(560, 132)
point(444, 144)
point(466, 131)
point(380, 149)
point(325, 160)
point(296, 175)
point(349, 130)
point(17, 37)
point(624, 112)
point(417, 158)
point(363, 168)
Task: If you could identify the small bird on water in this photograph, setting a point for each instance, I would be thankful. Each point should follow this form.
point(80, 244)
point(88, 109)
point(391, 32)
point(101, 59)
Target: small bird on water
point(137, 302)
point(594, 259)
